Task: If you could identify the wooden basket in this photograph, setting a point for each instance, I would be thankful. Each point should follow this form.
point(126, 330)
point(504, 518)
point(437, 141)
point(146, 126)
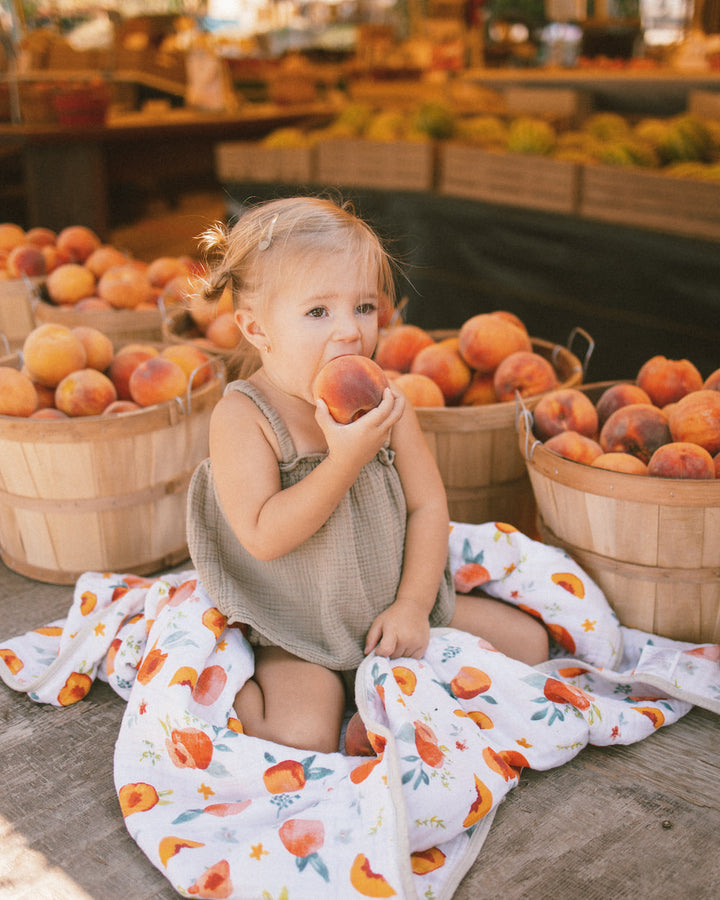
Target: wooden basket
point(122, 326)
point(476, 450)
point(101, 493)
point(16, 311)
point(651, 544)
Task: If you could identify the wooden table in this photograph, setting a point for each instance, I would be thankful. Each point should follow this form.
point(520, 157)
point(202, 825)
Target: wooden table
point(69, 172)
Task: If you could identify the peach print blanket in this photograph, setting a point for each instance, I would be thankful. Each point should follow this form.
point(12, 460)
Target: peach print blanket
point(224, 815)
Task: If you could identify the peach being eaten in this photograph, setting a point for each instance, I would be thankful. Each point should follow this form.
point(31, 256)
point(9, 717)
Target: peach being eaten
point(442, 362)
point(565, 409)
point(350, 386)
point(681, 459)
point(639, 429)
point(86, 392)
point(526, 372)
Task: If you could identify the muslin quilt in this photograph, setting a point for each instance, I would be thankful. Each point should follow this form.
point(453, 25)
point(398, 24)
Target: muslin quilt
point(225, 815)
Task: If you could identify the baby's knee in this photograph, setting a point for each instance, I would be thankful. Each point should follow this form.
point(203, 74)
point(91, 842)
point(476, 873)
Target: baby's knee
point(535, 642)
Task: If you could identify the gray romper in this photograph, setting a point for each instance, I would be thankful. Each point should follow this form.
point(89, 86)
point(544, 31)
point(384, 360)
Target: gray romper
point(319, 600)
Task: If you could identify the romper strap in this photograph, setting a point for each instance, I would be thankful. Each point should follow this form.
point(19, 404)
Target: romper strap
point(287, 445)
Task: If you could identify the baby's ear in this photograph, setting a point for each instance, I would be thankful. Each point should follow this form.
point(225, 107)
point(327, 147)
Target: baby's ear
point(250, 328)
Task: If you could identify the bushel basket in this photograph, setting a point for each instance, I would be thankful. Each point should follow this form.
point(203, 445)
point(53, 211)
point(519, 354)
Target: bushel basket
point(651, 544)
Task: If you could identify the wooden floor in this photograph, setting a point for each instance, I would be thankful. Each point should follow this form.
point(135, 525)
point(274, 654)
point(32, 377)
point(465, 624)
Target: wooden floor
point(627, 822)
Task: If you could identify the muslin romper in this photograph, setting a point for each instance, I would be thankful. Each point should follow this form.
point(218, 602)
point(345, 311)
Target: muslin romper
point(319, 600)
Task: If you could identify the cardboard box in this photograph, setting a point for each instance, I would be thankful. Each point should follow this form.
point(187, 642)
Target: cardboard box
point(252, 161)
point(515, 179)
point(651, 200)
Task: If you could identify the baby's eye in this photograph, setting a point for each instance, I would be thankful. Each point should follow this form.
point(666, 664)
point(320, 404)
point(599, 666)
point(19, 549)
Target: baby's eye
point(317, 312)
point(367, 308)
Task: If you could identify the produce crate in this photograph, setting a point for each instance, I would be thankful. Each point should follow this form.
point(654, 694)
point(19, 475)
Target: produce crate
point(513, 179)
point(120, 325)
point(357, 162)
point(566, 106)
point(651, 200)
point(252, 161)
point(704, 103)
point(651, 544)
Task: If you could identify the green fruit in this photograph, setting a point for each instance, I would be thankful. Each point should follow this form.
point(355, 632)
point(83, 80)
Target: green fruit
point(485, 131)
point(607, 126)
point(529, 135)
point(387, 126)
point(435, 120)
point(286, 137)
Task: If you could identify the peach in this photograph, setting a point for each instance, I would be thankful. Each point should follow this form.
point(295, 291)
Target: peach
point(69, 283)
point(696, 417)
point(638, 429)
point(526, 372)
point(149, 349)
point(41, 236)
point(84, 393)
point(681, 459)
point(98, 347)
point(87, 304)
point(398, 346)
point(223, 331)
point(486, 339)
point(180, 289)
point(26, 259)
point(117, 407)
point(442, 362)
point(712, 382)
point(46, 395)
point(53, 257)
point(716, 461)
point(481, 391)
point(49, 412)
point(104, 258)
point(617, 395)
point(511, 318)
point(565, 409)
point(666, 380)
point(157, 380)
point(195, 363)
point(78, 242)
point(10, 236)
point(350, 386)
point(164, 268)
point(18, 396)
point(122, 366)
point(419, 389)
point(51, 351)
point(620, 462)
point(124, 286)
point(575, 446)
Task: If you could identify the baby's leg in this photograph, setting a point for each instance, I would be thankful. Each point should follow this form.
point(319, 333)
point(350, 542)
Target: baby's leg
point(510, 630)
point(291, 701)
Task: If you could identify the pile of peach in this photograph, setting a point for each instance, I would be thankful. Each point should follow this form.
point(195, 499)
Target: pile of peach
point(213, 324)
point(81, 272)
point(70, 372)
point(489, 360)
point(666, 423)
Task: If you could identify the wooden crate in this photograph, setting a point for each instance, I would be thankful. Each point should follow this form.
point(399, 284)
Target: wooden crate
point(704, 103)
point(514, 179)
point(252, 161)
point(651, 200)
point(395, 165)
point(562, 105)
point(651, 544)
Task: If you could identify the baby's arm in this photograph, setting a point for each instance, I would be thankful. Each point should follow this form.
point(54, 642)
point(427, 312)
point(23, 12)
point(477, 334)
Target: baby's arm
point(403, 628)
point(267, 520)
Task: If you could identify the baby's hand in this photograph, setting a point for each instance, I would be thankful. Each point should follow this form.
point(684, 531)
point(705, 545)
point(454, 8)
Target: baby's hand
point(359, 441)
point(400, 630)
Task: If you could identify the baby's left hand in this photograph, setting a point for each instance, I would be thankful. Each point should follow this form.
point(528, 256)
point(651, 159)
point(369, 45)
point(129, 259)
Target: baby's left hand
point(400, 630)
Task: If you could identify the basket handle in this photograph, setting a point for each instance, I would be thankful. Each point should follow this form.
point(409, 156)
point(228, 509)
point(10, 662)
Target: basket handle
point(577, 330)
point(218, 365)
point(6, 343)
point(522, 412)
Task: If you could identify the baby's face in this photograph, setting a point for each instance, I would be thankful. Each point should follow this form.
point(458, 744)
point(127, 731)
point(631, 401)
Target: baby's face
point(326, 308)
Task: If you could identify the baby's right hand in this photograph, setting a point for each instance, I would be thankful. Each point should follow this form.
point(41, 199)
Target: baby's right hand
point(358, 442)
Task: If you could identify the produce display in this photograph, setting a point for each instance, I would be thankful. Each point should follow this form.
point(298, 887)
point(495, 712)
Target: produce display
point(489, 360)
point(72, 372)
point(665, 424)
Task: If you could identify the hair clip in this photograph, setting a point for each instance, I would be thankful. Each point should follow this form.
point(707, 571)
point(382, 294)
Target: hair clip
point(266, 238)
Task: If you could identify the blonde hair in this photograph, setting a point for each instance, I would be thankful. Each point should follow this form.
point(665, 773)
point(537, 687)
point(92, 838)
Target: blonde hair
point(251, 256)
